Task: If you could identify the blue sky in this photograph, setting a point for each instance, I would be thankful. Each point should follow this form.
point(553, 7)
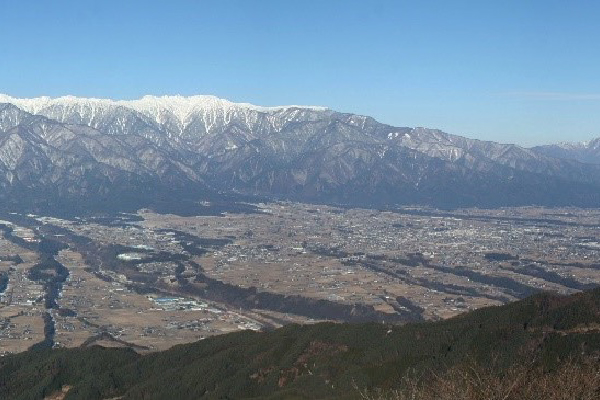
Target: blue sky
point(510, 71)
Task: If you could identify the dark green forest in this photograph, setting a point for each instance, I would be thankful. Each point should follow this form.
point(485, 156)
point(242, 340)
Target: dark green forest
point(538, 336)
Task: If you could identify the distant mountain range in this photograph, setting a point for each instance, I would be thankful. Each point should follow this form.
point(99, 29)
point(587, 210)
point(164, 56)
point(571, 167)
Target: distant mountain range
point(94, 151)
point(587, 152)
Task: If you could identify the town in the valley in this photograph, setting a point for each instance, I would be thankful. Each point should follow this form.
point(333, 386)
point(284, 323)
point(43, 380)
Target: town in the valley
point(150, 281)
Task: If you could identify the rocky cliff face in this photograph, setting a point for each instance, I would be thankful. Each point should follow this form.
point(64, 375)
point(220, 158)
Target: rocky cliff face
point(90, 148)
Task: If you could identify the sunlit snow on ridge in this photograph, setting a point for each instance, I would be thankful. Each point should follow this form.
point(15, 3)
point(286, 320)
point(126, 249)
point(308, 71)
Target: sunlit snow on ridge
point(180, 106)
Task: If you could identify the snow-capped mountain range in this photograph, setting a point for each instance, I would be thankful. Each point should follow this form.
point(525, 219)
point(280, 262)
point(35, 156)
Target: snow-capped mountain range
point(152, 106)
point(177, 115)
point(588, 151)
point(76, 148)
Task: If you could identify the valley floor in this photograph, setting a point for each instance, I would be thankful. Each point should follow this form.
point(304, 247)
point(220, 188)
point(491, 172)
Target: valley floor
point(150, 281)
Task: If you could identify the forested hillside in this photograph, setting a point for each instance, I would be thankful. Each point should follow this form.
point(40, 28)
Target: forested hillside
point(538, 336)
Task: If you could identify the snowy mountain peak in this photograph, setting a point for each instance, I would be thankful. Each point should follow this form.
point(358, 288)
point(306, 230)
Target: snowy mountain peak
point(587, 152)
point(179, 105)
point(36, 105)
point(588, 144)
point(154, 116)
point(179, 111)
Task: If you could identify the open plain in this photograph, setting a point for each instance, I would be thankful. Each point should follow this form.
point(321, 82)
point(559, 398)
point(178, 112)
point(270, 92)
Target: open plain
point(150, 281)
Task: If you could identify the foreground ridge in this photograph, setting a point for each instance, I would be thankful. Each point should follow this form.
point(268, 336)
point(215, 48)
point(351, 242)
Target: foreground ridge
point(329, 360)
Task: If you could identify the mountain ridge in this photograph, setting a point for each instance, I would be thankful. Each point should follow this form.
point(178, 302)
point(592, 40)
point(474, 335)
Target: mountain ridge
point(324, 360)
point(587, 151)
point(299, 153)
point(154, 107)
